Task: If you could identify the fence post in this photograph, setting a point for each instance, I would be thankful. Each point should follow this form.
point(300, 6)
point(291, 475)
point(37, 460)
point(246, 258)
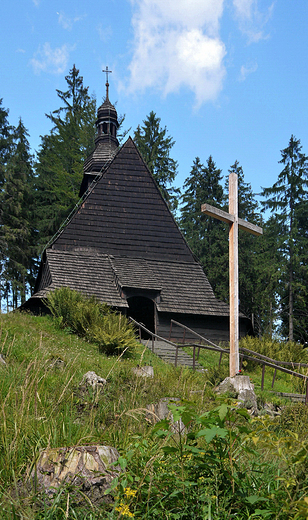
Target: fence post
point(198, 353)
point(262, 382)
point(194, 358)
point(274, 377)
point(153, 343)
point(176, 356)
point(170, 330)
point(220, 358)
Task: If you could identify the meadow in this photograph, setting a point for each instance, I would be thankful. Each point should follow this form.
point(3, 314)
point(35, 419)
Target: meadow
point(225, 464)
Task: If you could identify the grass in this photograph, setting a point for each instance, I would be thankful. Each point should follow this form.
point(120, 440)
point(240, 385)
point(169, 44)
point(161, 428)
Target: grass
point(43, 403)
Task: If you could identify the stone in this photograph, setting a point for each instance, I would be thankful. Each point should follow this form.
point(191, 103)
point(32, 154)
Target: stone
point(2, 360)
point(243, 391)
point(146, 371)
point(86, 468)
point(92, 379)
point(160, 411)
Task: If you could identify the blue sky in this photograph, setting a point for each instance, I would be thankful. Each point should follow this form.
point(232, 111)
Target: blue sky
point(227, 77)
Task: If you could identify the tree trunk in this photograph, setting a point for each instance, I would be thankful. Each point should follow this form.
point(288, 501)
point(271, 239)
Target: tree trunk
point(291, 336)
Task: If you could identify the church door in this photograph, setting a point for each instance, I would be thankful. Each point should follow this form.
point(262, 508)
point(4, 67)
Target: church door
point(142, 310)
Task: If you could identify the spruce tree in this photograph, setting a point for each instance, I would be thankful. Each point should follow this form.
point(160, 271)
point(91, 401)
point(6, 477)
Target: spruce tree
point(207, 237)
point(6, 145)
point(155, 146)
point(285, 199)
point(59, 168)
point(17, 231)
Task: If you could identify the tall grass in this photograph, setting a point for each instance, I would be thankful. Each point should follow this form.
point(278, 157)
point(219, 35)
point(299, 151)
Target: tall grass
point(43, 403)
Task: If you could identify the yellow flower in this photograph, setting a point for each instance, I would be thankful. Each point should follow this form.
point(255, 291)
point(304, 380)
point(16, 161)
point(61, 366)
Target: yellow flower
point(128, 492)
point(124, 510)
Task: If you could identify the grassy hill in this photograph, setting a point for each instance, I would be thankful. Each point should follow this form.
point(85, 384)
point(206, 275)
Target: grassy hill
point(226, 464)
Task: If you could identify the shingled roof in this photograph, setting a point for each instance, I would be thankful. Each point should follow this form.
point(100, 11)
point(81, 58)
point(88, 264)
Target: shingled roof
point(182, 287)
point(124, 214)
point(122, 238)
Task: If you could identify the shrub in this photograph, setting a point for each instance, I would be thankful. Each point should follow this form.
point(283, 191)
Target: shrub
point(93, 320)
point(278, 350)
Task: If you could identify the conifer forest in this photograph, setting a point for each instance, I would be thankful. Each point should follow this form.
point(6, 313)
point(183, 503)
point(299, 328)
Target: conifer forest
point(38, 193)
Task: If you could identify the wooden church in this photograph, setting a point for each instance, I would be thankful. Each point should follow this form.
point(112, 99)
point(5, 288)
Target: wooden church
point(123, 245)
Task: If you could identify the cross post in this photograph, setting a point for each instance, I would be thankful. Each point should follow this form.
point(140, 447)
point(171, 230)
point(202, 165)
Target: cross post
point(235, 223)
point(107, 84)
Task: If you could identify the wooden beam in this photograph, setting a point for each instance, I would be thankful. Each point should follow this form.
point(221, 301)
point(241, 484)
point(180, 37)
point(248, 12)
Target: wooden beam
point(251, 228)
point(219, 214)
point(235, 223)
point(211, 211)
point(233, 277)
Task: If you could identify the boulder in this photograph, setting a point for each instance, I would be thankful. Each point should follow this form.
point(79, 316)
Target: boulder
point(92, 379)
point(243, 391)
point(146, 371)
point(160, 411)
point(86, 468)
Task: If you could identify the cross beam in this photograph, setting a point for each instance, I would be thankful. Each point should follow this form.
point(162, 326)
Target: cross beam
point(235, 223)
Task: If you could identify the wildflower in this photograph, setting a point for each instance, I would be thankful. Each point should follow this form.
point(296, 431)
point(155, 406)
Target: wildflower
point(124, 510)
point(128, 492)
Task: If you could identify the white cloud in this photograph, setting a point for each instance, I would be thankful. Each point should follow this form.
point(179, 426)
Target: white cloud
point(51, 60)
point(245, 71)
point(105, 32)
point(177, 44)
point(66, 22)
point(252, 19)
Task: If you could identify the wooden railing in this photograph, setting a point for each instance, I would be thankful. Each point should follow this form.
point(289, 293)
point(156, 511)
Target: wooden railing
point(245, 353)
point(250, 356)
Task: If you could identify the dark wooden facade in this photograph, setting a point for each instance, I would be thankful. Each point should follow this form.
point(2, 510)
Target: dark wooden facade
point(123, 246)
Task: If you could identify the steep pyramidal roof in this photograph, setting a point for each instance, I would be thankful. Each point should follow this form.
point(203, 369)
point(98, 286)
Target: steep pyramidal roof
point(125, 214)
point(123, 240)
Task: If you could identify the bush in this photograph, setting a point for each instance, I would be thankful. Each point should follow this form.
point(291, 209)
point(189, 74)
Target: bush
point(93, 320)
point(278, 350)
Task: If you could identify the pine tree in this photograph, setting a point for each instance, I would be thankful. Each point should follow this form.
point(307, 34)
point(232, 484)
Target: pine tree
point(17, 230)
point(155, 146)
point(207, 237)
point(6, 145)
point(285, 199)
point(59, 168)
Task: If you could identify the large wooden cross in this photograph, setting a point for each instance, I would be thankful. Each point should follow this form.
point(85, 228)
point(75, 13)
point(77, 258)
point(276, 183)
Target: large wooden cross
point(235, 222)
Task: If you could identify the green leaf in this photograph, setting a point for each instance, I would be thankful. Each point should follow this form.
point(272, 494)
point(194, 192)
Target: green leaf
point(253, 499)
point(169, 449)
point(223, 410)
point(210, 433)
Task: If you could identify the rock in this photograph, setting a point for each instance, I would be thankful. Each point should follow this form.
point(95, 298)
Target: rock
point(271, 409)
point(57, 363)
point(160, 411)
point(146, 371)
point(2, 360)
point(87, 468)
point(242, 389)
point(92, 379)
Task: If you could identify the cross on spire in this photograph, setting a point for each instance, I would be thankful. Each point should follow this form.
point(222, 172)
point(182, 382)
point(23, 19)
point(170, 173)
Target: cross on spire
point(107, 84)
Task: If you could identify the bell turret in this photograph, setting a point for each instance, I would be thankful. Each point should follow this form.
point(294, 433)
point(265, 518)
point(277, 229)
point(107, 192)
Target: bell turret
point(106, 142)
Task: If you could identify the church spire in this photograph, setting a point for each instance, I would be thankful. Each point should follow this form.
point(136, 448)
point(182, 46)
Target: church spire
point(106, 142)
